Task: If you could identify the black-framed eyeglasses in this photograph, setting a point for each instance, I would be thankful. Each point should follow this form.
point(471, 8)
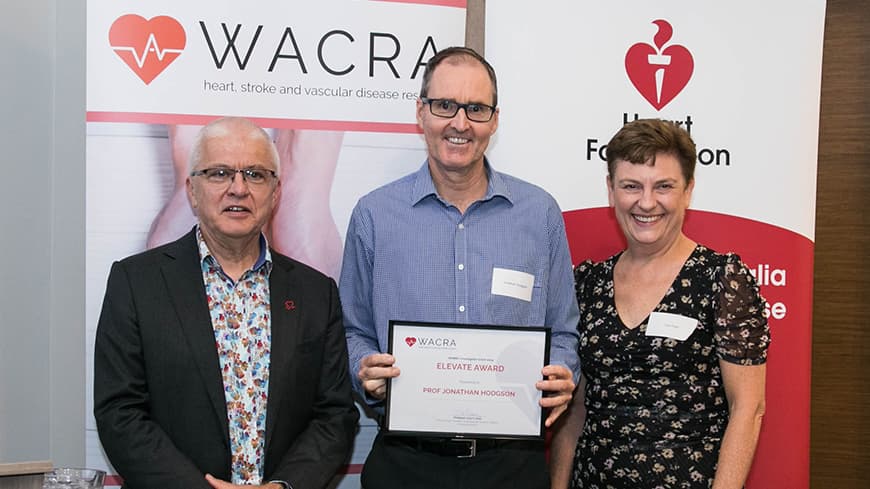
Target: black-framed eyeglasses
point(223, 175)
point(444, 107)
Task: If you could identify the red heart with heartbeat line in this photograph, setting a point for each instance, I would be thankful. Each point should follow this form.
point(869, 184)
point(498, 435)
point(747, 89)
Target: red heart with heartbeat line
point(659, 74)
point(410, 340)
point(147, 46)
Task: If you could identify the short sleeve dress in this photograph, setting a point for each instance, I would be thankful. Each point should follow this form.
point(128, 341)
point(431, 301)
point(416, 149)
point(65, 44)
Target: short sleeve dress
point(655, 406)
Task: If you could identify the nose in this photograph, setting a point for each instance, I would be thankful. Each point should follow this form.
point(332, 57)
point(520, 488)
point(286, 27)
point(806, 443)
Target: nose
point(647, 199)
point(238, 184)
point(460, 121)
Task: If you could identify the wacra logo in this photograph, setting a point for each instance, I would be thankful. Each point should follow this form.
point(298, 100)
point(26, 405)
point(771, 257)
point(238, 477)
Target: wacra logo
point(659, 73)
point(426, 341)
point(148, 46)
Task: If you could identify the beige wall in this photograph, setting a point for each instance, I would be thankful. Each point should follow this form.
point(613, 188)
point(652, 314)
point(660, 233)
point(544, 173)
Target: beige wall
point(475, 21)
point(42, 255)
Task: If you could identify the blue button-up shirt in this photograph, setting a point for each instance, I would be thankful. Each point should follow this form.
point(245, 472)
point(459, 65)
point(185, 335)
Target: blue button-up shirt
point(412, 256)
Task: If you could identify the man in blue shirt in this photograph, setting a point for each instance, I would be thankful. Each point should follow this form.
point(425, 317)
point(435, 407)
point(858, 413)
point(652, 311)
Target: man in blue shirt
point(450, 243)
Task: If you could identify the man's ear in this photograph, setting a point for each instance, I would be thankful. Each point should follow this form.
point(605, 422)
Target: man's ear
point(191, 195)
point(420, 107)
point(494, 121)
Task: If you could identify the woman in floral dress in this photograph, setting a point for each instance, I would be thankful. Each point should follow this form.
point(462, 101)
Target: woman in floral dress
point(673, 340)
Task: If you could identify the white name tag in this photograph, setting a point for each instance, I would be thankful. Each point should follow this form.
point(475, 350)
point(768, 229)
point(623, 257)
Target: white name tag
point(670, 325)
point(512, 283)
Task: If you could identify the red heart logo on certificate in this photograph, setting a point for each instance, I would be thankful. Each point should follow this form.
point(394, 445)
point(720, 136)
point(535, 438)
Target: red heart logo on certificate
point(659, 74)
point(147, 46)
point(410, 340)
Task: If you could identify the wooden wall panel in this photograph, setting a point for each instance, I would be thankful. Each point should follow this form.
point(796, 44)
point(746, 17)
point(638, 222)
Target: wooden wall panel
point(840, 427)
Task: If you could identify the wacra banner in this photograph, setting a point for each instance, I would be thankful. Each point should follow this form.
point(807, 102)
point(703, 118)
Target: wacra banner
point(334, 81)
point(744, 79)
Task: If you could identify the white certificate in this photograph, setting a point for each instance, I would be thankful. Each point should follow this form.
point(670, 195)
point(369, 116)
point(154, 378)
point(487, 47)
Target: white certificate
point(466, 380)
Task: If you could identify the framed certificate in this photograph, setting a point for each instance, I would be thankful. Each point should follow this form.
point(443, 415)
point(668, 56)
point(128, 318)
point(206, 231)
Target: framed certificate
point(461, 380)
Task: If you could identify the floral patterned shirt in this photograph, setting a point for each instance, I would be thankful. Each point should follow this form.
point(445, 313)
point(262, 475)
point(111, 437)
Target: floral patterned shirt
point(240, 316)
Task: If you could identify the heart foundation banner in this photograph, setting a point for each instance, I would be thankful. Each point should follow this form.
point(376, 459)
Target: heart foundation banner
point(744, 79)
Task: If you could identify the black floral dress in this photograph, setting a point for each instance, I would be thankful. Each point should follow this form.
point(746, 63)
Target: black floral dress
point(655, 406)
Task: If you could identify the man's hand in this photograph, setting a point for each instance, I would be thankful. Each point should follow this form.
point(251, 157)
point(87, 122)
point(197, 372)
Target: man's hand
point(221, 484)
point(560, 382)
point(374, 371)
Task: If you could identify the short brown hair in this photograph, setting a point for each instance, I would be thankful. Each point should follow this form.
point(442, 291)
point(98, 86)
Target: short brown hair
point(462, 53)
point(639, 142)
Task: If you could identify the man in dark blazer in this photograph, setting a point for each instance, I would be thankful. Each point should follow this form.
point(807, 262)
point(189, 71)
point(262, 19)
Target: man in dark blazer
point(218, 362)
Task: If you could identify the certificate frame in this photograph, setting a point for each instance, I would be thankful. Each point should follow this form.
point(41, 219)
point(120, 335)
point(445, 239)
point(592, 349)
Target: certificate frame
point(485, 376)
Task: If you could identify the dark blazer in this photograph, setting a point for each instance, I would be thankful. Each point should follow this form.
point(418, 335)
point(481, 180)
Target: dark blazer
point(158, 392)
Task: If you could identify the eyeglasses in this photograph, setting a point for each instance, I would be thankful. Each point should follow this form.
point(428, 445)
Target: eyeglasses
point(447, 108)
point(223, 176)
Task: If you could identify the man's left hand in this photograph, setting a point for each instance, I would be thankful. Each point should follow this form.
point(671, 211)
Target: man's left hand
point(221, 484)
point(560, 385)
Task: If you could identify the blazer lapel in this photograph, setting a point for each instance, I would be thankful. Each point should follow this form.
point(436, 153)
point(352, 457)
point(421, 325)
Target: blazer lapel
point(183, 277)
point(285, 336)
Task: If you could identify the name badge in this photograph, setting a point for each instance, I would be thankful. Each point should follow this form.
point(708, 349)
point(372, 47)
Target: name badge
point(512, 283)
point(670, 325)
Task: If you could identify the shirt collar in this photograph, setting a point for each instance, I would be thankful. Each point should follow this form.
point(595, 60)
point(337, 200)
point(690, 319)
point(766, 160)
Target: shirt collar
point(205, 256)
point(424, 186)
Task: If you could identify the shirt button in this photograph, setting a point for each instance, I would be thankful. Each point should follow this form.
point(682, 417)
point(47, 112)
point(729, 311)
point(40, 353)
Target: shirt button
point(461, 308)
point(461, 267)
point(461, 226)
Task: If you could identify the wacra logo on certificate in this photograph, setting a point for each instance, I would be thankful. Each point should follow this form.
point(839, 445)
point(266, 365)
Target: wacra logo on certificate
point(461, 380)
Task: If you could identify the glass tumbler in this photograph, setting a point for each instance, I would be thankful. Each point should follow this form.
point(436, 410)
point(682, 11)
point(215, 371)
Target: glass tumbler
point(73, 478)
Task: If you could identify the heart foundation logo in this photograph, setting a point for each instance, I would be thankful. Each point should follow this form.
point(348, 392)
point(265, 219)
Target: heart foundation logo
point(410, 340)
point(659, 73)
point(148, 46)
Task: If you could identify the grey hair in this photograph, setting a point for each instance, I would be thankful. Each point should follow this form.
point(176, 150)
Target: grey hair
point(226, 126)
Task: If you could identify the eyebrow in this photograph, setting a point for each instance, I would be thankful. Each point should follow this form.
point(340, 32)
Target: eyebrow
point(458, 102)
point(253, 166)
point(635, 180)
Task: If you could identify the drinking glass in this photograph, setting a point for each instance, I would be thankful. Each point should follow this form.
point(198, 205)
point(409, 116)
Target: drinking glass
point(73, 478)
